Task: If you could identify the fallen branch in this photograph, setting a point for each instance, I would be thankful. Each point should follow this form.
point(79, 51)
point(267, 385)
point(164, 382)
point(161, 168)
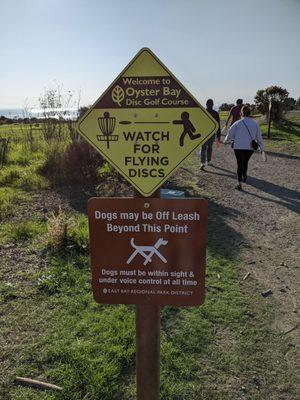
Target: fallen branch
point(246, 276)
point(291, 330)
point(35, 383)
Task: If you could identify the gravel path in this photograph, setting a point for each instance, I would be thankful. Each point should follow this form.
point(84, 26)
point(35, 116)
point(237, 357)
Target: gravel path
point(267, 218)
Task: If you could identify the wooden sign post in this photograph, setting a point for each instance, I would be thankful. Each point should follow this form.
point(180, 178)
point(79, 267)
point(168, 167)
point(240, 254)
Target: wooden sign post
point(147, 339)
point(147, 352)
point(147, 251)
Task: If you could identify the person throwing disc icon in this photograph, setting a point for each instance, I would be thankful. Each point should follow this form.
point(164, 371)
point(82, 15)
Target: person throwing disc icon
point(188, 128)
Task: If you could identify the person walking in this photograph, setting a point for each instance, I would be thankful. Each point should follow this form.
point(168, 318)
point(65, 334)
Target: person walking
point(243, 133)
point(234, 113)
point(206, 149)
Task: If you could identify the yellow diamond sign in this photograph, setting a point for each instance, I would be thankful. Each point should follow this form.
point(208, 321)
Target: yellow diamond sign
point(146, 123)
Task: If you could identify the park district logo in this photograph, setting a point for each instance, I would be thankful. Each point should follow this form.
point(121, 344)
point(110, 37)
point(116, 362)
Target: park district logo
point(146, 123)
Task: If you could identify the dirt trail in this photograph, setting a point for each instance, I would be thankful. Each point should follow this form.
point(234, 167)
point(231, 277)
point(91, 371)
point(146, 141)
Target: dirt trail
point(268, 219)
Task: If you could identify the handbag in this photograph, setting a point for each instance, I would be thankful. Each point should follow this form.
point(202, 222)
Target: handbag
point(254, 143)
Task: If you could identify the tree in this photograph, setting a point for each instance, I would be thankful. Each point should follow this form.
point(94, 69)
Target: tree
point(297, 105)
point(290, 103)
point(275, 95)
point(82, 110)
point(225, 107)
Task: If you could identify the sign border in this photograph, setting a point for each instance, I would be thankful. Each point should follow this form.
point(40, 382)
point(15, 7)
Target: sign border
point(146, 194)
point(145, 300)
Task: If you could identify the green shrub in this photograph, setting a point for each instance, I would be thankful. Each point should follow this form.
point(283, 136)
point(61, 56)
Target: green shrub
point(78, 235)
point(9, 176)
point(9, 198)
point(61, 276)
point(25, 230)
point(30, 181)
point(19, 154)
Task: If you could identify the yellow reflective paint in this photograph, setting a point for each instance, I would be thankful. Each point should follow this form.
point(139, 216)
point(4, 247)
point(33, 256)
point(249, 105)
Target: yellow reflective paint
point(146, 123)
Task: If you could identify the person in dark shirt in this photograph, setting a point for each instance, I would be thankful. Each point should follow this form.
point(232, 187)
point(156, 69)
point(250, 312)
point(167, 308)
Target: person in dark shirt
point(206, 149)
point(235, 113)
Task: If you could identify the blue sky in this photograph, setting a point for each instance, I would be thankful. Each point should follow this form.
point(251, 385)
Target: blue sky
point(224, 49)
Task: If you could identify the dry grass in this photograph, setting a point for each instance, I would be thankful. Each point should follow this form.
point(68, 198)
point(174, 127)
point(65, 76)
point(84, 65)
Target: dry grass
point(58, 226)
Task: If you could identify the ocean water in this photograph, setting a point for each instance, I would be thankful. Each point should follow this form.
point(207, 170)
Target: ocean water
point(16, 113)
point(12, 112)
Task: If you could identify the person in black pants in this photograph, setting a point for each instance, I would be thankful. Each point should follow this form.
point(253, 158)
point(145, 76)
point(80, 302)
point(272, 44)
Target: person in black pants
point(243, 132)
point(207, 147)
point(242, 158)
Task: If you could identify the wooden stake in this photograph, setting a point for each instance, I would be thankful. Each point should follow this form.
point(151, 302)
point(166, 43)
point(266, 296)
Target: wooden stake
point(269, 122)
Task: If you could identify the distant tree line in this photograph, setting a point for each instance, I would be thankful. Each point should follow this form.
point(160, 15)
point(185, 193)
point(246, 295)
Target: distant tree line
point(6, 120)
point(276, 96)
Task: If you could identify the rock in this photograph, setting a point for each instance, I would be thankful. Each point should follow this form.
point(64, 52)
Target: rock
point(266, 293)
point(283, 264)
point(250, 314)
point(256, 383)
point(8, 245)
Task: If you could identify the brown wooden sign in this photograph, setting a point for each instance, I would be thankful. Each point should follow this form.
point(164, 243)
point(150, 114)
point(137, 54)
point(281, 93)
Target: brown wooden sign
point(148, 251)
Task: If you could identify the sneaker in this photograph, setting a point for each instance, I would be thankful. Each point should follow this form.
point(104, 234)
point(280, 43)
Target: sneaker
point(202, 167)
point(239, 187)
point(209, 163)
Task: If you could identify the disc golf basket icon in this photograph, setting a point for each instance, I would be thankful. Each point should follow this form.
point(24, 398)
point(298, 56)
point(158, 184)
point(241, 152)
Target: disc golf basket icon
point(107, 125)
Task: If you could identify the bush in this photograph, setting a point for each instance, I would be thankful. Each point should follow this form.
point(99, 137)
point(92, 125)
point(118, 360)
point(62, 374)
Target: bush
point(78, 163)
point(9, 177)
point(25, 230)
point(61, 276)
point(9, 199)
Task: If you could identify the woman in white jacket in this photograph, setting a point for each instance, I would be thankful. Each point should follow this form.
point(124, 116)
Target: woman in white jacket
point(242, 133)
